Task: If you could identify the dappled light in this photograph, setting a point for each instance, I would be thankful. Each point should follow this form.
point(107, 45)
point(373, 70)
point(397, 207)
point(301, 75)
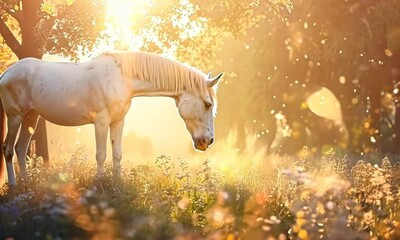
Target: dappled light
point(300, 142)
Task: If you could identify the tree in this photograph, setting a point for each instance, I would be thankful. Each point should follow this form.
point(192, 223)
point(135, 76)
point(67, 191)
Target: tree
point(355, 60)
point(31, 28)
point(350, 47)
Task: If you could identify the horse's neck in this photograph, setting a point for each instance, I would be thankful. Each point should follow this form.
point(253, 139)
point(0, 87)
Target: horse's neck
point(146, 89)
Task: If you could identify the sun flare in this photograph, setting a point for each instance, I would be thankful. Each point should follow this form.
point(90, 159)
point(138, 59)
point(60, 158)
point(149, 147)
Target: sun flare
point(122, 15)
point(121, 11)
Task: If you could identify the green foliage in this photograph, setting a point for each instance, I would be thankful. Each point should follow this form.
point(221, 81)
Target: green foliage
point(67, 28)
point(78, 30)
point(5, 54)
point(179, 192)
point(195, 30)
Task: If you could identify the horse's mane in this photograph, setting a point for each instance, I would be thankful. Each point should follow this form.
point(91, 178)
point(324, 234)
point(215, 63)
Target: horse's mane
point(164, 73)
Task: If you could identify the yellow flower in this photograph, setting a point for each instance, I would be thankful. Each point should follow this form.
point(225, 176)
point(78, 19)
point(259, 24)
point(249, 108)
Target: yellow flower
point(300, 214)
point(303, 234)
point(230, 236)
point(296, 228)
point(300, 222)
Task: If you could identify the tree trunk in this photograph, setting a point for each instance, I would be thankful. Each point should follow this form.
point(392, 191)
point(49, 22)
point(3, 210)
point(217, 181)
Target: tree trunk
point(40, 135)
point(32, 46)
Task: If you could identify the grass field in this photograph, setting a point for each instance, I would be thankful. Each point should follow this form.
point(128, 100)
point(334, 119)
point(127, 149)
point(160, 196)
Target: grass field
point(240, 196)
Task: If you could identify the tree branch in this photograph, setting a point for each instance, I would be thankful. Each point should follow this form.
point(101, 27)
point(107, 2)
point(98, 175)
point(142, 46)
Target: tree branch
point(9, 37)
point(12, 12)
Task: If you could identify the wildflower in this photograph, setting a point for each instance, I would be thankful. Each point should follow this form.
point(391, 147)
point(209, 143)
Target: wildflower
point(82, 201)
point(261, 198)
point(103, 204)
point(368, 218)
point(183, 203)
point(89, 193)
point(300, 214)
point(282, 236)
point(15, 211)
point(222, 197)
point(303, 234)
point(330, 205)
point(109, 212)
point(94, 210)
point(230, 236)
point(266, 228)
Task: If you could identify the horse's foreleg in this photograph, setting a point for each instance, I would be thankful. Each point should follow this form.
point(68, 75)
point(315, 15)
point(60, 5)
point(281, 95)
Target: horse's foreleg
point(116, 128)
point(101, 130)
point(13, 124)
point(21, 148)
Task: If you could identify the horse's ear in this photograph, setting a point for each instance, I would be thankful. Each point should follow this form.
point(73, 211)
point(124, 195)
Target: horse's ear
point(213, 81)
point(209, 75)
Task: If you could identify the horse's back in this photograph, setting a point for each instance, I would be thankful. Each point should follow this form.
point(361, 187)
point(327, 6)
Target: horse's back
point(65, 93)
point(15, 85)
point(19, 70)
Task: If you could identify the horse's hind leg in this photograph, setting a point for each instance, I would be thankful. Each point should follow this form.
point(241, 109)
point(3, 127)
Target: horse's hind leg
point(21, 148)
point(116, 139)
point(13, 124)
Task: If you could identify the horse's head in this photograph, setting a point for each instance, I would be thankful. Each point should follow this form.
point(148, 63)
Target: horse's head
point(198, 114)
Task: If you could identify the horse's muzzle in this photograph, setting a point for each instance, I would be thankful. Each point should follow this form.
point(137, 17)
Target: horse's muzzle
point(203, 143)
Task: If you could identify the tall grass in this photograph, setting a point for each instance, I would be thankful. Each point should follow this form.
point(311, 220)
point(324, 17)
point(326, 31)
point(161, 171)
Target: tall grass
point(233, 195)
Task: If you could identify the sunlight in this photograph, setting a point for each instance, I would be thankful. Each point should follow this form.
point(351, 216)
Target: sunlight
point(121, 11)
point(121, 16)
point(318, 101)
point(305, 144)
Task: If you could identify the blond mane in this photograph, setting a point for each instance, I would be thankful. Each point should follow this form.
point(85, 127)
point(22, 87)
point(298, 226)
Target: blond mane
point(162, 72)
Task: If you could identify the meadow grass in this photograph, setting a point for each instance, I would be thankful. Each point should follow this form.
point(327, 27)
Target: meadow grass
point(242, 196)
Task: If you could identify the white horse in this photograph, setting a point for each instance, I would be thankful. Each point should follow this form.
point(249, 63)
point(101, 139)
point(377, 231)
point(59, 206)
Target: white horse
point(100, 92)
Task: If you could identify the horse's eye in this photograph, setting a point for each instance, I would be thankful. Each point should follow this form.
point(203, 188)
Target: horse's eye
point(207, 105)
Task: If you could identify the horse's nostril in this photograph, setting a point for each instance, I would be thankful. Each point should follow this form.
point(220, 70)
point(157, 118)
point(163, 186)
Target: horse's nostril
point(203, 141)
point(211, 141)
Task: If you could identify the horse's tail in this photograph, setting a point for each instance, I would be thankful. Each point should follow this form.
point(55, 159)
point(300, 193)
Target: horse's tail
point(2, 134)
